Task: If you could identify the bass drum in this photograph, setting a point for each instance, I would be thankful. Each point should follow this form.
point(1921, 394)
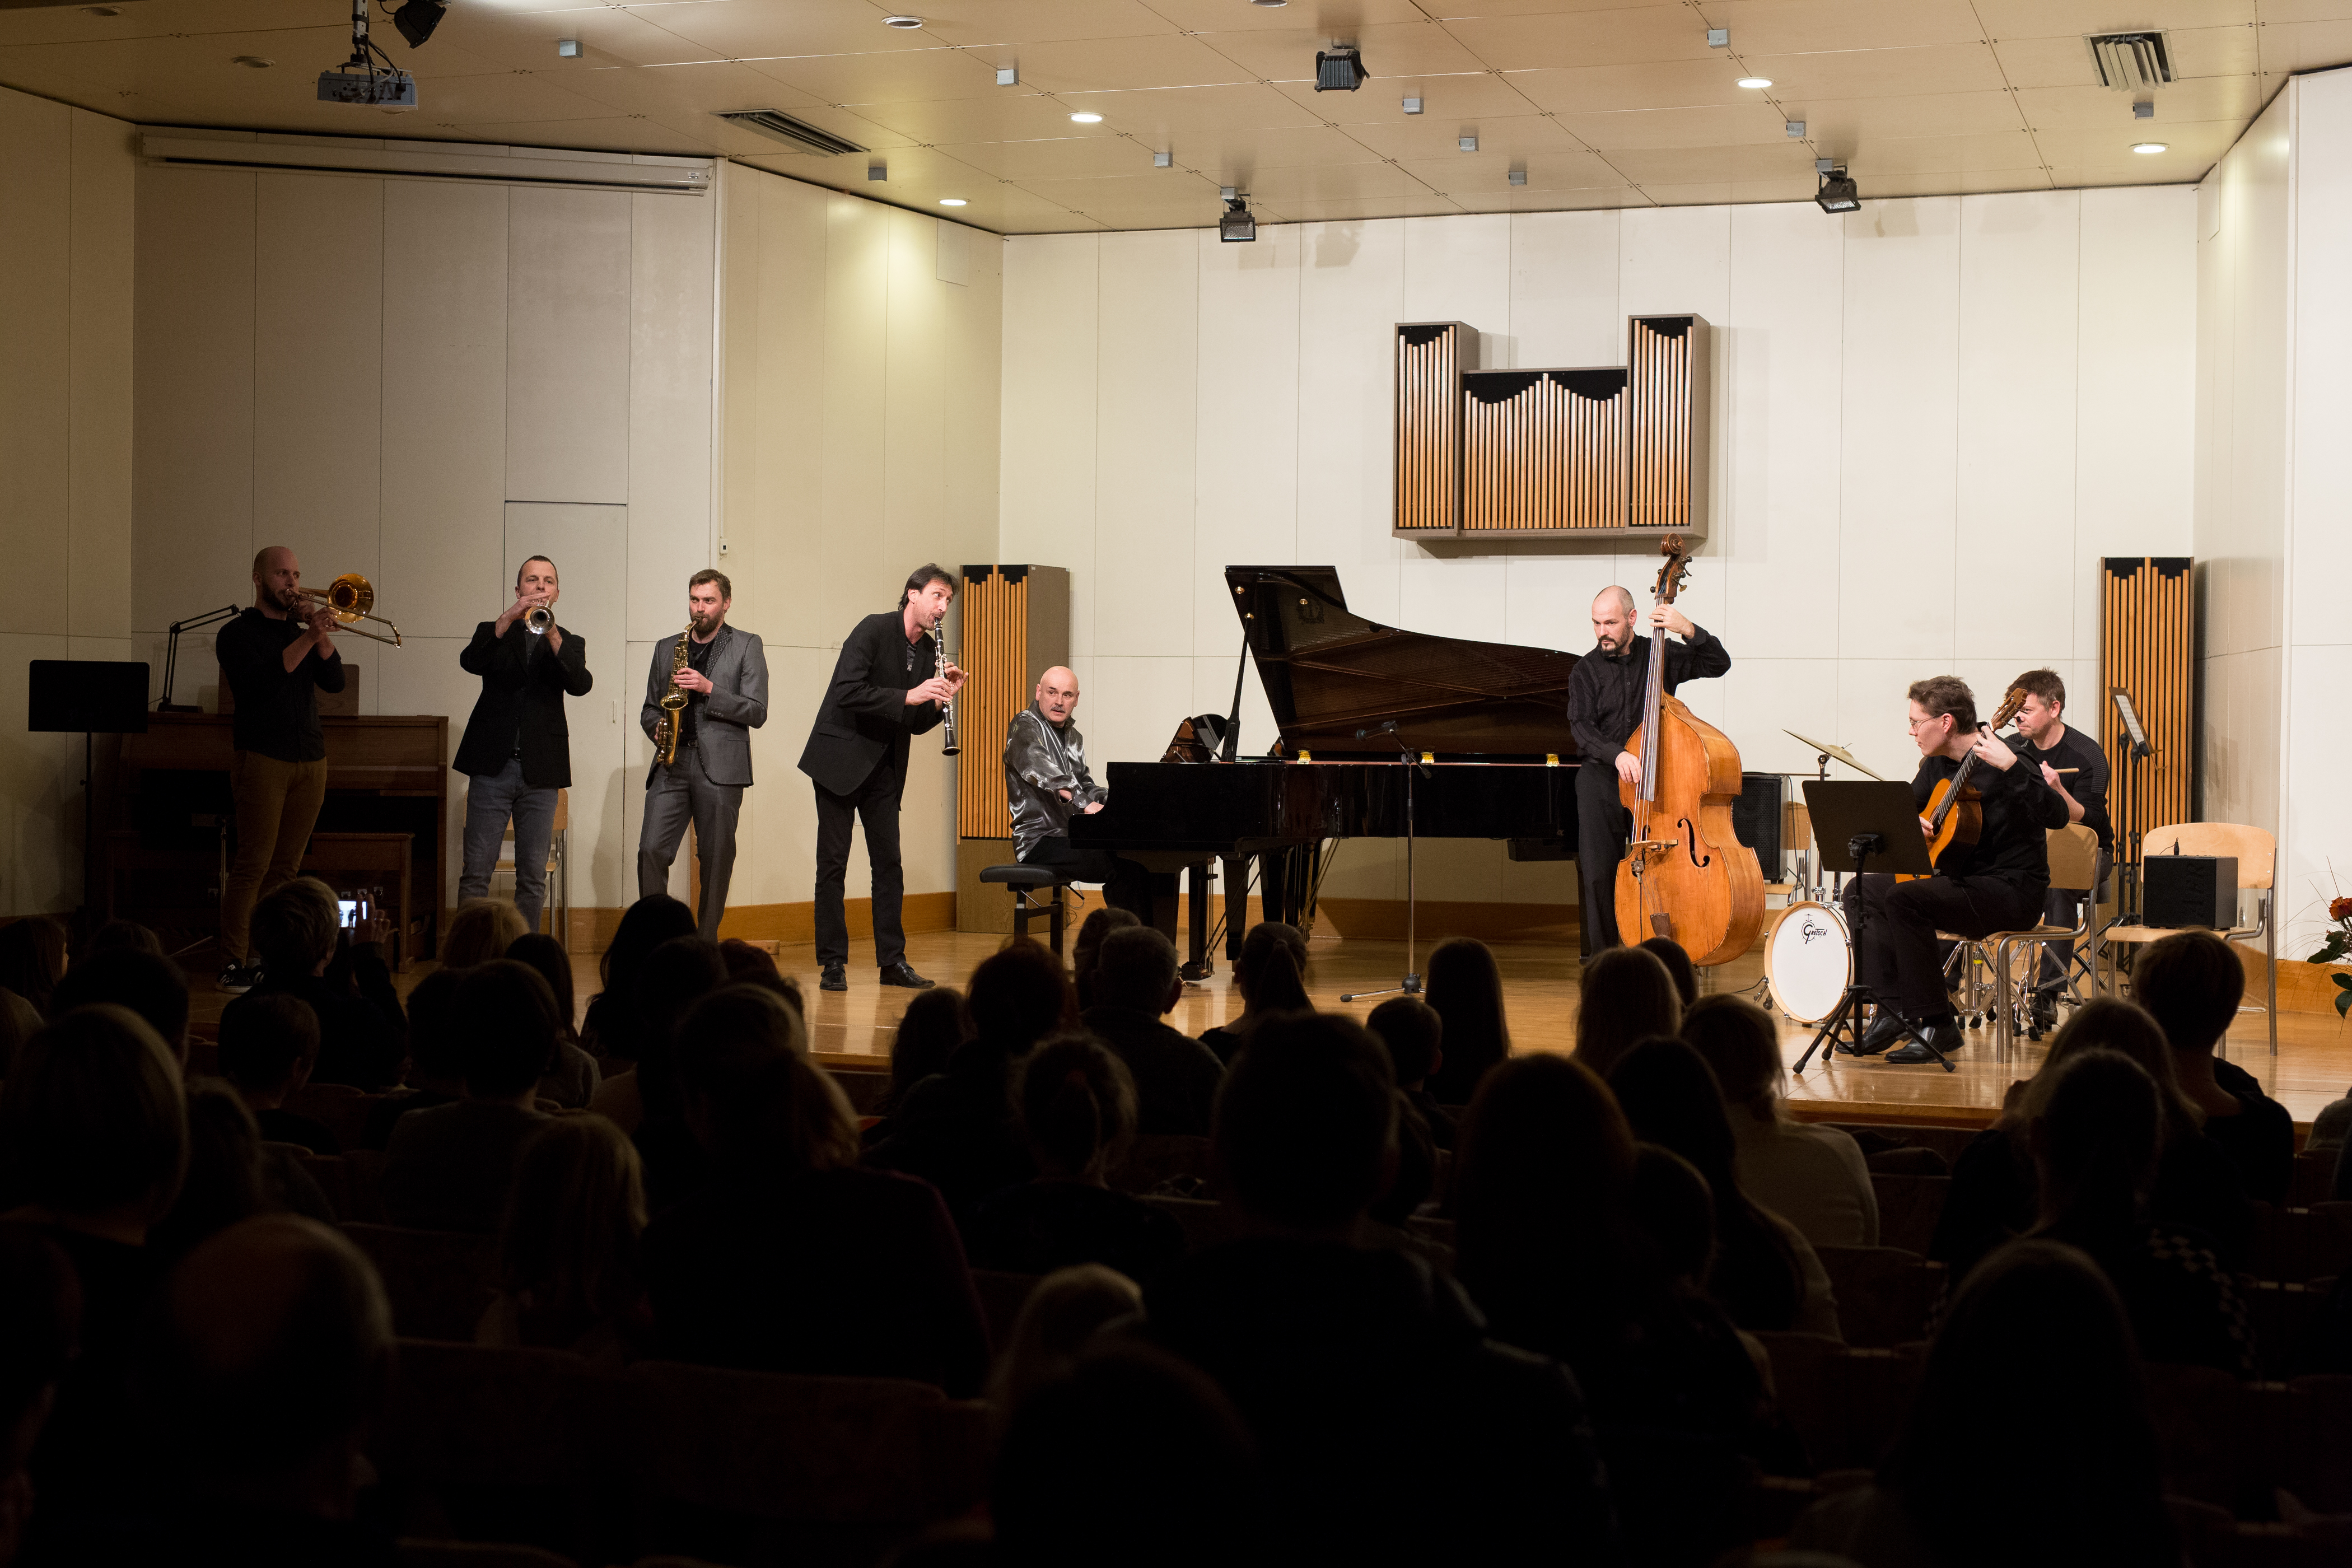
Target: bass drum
point(1809, 961)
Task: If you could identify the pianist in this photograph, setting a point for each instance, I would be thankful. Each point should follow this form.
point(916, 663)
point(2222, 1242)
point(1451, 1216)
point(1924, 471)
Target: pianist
point(1047, 781)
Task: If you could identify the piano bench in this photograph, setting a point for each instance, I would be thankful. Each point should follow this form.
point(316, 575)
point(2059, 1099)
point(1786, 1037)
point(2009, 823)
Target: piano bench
point(1026, 881)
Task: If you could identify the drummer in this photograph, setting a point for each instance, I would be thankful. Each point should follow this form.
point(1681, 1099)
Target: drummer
point(2071, 763)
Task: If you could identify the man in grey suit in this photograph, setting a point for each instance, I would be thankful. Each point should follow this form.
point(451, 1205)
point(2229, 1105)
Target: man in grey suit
point(726, 683)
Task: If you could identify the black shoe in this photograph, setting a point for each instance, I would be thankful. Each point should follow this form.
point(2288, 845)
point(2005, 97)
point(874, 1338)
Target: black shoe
point(1944, 1035)
point(2043, 1016)
point(1885, 1031)
point(903, 973)
point(835, 978)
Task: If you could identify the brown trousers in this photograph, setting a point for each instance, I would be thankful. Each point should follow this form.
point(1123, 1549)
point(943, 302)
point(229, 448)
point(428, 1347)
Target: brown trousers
point(277, 806)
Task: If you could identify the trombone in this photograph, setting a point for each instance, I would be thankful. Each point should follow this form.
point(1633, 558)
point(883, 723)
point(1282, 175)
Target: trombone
point(348, 598)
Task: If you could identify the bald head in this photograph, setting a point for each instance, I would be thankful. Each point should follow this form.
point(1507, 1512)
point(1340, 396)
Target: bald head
point(276, 577)
point(1057, 694)
point(1612, 619)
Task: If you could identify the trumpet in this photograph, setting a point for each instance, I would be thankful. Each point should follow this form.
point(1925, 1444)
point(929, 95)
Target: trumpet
point(348, 598)
point(537, 619)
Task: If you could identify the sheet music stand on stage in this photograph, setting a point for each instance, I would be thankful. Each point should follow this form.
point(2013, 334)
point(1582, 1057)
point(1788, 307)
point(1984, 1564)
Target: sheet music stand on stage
point(107, 697)
point(1858, 821)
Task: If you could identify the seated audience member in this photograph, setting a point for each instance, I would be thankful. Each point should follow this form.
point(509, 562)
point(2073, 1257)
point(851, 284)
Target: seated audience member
point(1127, 1456)
point(1993, 1198)
point(1626, 996)
point(749, 965)
point(1393, 1429)
point(1134, 985)
point(359, 1037)
point(93, 1149)
point(480, 930)
point(2029, 1442)
point(262, 1380)
point(568, 1270)
point(123, 936)
point(1766, 1274)
point(1270, 976)
point(666, 984)
point(436, 1072)
point(149, 985)
point(1814, 1177)
point(1087, 946)
point(958, 1131)
point(2095, 1126)
point(268, 1042)
point(19, 1021)
point(792, 1258)
point(1670, 952)
point(450, 1168)
point(1465, 986)
point(573, 1083)
point(231, 1176)
point(32, 959)
point(1077, 1110)
point(2330, 1124)
point(1415, 1037)
point(1068, 1307)
point(1579, 1245)
point(40, 1322)
point(935, 1022)
point(2191, 982)
point(611, 1029)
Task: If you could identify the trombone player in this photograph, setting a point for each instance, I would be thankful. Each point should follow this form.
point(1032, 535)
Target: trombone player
point(517, 750)
point(275, 658)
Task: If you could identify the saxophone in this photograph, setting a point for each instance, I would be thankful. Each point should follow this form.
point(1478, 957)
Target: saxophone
point(673, 704)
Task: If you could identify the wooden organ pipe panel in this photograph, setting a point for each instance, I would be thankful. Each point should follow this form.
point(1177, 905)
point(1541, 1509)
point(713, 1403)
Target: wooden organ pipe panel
point(1432, 357)
point(1008, 626)
point(2148, 643)
point(1620, 449)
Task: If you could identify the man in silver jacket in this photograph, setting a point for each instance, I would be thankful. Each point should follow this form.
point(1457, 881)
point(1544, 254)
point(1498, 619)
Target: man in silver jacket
point(1046, 780)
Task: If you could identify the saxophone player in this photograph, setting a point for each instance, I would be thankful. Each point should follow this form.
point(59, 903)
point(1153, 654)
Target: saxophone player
point(724, 678)
point(888, 685)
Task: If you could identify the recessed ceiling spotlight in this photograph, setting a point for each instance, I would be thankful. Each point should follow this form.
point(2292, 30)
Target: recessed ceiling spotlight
point(1086, 117)
point(2150, 147)
point(252, 62)
point(1756, 81)
point(951, 201)
point(902, 21)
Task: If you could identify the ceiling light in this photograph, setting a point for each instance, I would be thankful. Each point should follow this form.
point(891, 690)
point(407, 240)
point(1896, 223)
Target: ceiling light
point(417, 20)
point(2150, 147)
point(1467, 143)
point(567, 48)
point(1338, 69)
point(1756, 81)
point(1008, 76)
point(1086, 117)
point(1412, 105)
point(1838, 194)
point(1235, 224)
point(1718, 37)
point(902, 21)
point(951, 201)
point(252, 62)
point(1163, 160)
point(1518, 176)
point(1795, 129)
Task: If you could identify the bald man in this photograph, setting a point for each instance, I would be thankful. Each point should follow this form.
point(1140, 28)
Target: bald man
point(1046, 781)
point(275, 659)
point(1605, 692)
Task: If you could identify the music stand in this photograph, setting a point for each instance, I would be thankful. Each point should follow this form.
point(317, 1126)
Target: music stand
point(105, 697)
point(1855, 822)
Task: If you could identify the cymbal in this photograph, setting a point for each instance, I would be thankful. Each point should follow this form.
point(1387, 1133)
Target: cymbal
point(1840, 753)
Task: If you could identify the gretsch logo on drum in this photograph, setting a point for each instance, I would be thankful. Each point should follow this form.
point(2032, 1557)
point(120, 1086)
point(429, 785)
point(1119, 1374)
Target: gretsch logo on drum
point(1808, 929)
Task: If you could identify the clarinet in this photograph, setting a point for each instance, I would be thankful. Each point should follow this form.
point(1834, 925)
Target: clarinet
point(949, 746)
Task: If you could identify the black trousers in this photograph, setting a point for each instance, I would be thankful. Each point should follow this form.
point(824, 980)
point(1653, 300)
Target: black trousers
point(1898, 957)
point(1602, 826)
point(1125, 885)
point(875, 803)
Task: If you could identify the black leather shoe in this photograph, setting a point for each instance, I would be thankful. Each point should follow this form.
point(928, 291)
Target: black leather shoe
point(1944, 1036)
point(835, 978)
point(903, 973)
point(1885, 1031)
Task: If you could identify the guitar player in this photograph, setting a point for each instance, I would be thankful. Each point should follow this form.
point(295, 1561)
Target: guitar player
point(1997, 883)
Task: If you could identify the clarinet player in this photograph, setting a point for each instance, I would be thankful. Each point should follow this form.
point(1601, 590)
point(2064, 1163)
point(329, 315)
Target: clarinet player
point(724, 679)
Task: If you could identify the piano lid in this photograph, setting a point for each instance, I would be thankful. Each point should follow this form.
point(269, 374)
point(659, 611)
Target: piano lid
point(1328, 672)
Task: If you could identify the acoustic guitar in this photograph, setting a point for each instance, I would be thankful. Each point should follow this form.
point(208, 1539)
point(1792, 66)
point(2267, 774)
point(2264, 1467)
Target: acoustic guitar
point(1955, 810)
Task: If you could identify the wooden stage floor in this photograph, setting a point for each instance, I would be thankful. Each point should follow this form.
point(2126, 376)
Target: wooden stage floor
point(2314, 1065)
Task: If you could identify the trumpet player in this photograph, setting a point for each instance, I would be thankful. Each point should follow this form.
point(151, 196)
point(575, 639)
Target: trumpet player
point(275, 659)
point(890, 684)
point(724, 679)
point(517, 750)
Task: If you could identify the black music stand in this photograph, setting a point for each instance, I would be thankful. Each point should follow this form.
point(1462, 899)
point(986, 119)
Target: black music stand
point(1411, 984)
point(103, 697)
point(1856, 821)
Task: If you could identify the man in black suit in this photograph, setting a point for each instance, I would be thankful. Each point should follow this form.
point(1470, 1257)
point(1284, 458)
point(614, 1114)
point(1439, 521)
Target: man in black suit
point(517, 750)
point(887, 686)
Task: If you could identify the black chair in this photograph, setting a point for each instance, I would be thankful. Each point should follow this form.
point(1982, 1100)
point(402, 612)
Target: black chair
point(1026, 882)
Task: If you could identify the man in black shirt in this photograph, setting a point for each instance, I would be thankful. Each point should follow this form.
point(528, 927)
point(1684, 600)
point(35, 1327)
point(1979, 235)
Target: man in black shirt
point(1605, 694)
point(2072, 763)
point(275, 658)
point(1994, 884)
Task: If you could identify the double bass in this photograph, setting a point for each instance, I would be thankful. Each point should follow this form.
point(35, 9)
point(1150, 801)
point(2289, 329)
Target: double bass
point(1686, 875)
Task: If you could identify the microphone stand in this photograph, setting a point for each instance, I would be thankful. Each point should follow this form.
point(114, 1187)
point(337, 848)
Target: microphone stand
point(1410, 986)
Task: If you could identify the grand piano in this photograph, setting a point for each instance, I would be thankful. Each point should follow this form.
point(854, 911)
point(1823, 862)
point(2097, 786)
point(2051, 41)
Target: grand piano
point(1490, 718)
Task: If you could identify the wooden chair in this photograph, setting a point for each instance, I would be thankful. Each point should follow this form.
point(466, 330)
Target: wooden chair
point(2074, 869)
point(340, 1108)
point(2295, 1244)
point(2256, 852)
point(1153, 1158)
point(439, 1282)
point(1884, 1293)
point(1847, 1402)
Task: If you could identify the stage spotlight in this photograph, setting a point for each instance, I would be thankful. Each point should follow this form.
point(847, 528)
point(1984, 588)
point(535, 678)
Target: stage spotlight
point(1235, 226)
point(1838, 194)
point(1338, 69)
point(417, 20)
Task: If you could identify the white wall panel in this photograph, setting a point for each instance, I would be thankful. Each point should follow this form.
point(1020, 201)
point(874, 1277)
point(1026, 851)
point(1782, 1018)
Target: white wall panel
point(1351, 294)
point(567, 344)
point(1245, 453)
point(670, 536)
point(1564, 283)
point(1459, 269)
point(423, 677)
point(1674, 260)
point(99, 391)
point(40, 785)
point(35, 355)
point(1051, 294)
point(1149, 317)
point(775, 532)
point(853, 573)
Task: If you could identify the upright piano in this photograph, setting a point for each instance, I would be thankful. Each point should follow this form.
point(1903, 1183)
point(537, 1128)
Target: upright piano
point(1484, 724)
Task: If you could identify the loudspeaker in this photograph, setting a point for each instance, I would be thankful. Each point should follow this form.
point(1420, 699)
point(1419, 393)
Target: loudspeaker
point(2185, 890)
point(1756, 818)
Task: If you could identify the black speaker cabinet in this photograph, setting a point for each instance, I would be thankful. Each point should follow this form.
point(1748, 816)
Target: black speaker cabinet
point(1756, 818)
point(2190, 890)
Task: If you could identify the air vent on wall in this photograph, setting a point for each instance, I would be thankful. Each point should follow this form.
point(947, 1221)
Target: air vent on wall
point(2131, 62)
point(799, 134)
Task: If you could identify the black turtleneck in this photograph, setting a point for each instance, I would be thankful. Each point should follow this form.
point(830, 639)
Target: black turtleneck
point(1604, 690)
